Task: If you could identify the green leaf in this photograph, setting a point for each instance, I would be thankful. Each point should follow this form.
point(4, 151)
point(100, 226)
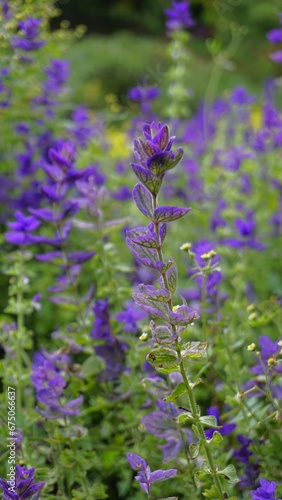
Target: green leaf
point(92, 366)
point(183, 417)
point(211, 493)
point(194, 449)
point(178, 391)
point(210, 421)
point(194, 350)
point(164, 360)
point(230, 474)
point(216, 438)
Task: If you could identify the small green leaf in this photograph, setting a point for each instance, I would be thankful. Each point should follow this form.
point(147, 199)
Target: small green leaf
point(92, 366)
point(194, 449)
point(194, 350)
point(230, 473)
point(210, 421)
point(211, 493)
point(216, 438)
point(183, 417)
point(178, 391)
point(165, 360)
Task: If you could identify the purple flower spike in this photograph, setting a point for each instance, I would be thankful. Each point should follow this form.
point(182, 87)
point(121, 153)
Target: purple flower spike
point(179, 16)
point(21, 229)
point(27, 42)
point(154, 155)
point(23, 488)
point(145, 477)
point(48, 377)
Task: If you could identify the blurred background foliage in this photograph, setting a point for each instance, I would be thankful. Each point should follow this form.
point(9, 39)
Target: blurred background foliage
point(125, 42)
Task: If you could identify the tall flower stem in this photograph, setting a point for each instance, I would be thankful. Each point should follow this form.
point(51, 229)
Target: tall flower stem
point(20, 329)
point(189, 390)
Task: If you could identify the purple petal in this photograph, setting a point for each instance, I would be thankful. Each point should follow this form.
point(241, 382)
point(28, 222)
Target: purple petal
point(162, 475)
point(136, 462)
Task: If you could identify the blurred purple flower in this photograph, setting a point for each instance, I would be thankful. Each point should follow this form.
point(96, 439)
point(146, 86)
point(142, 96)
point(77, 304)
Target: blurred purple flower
point(143, 93)
point(162, 424)
point(57, 74)
point(48, 377)
point(269, 350)
point(266, 491)
point(179, 16)
point(21, 229)
point(112, 351)
point(130, 317)
point(30, 32)
point(245, 229)
point(276, 56)
point(240, 96)
point(225, 428)
point(275, 35)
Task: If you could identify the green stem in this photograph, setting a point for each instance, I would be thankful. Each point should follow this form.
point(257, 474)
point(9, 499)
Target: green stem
point(204, 309)
point(20, 332)
point(191, 398)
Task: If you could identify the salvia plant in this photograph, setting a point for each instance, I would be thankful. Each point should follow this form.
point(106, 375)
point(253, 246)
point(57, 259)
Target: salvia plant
point(172, 352)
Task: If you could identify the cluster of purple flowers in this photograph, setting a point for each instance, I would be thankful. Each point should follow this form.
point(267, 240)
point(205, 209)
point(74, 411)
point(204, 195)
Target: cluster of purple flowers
point(111, 350)
point(28, 41)
point(275, 36)
point(24, 489)
point(206, 274)
point(179, 16)
point(162, 424)
point(245, 455)
point(49, 372)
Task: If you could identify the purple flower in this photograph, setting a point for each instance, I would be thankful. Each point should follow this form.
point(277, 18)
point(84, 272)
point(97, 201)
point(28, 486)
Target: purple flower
point(240, 96)
point(179, 16)
point(275, 35)
point(266, 491)
point(112, 351)
point(57, 74)
point(225, 428)
point(81, 129)
point(21, 229)
point(5, 10)
point(26, 164)
point(130, 317)
point(251, 467)
point(48, 377)
point(143, 93)
point(231, 159)
point(22, 487)
point(145, 477)
point(154, 155)
point(30, 32)
point(269, 352)
point(203, 247)
point(245, 229)
point(276, 56)
point(162, 424)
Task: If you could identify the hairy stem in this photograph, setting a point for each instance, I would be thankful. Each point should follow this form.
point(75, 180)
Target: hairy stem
point(190, 394)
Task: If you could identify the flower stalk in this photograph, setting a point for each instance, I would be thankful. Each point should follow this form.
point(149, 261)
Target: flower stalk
point(146, 243)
